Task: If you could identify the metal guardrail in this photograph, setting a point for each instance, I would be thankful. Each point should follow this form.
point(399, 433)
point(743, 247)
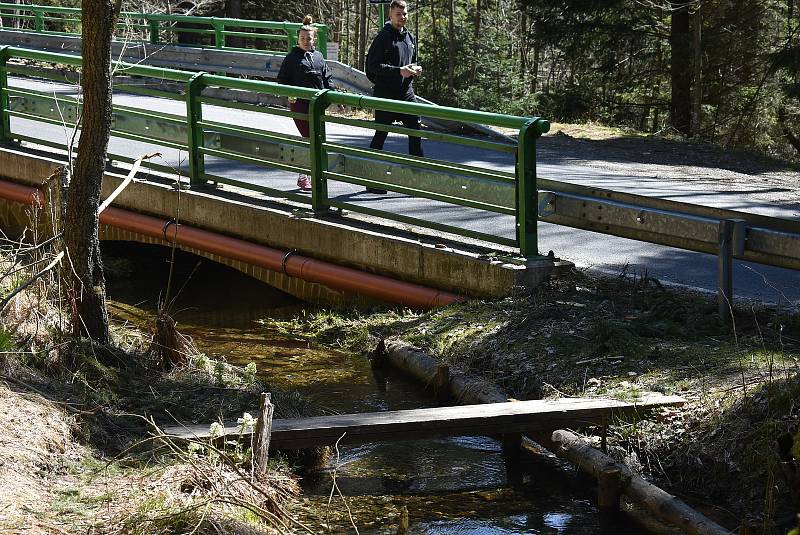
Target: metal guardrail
point(756, 238)
point(160, 29)
point(500, 192)
point(726, 233)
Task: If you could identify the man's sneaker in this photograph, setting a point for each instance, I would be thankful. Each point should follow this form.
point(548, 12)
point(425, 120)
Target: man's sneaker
point(304, 183)
point(376, 191)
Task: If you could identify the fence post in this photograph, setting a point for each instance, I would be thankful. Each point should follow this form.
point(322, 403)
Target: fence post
point(195, 141)
point(725, 254)
point(527, 195)
point(219, 36)
point(5, 123)
point(609, 491)
point(261, 436)
point(317, 154)
point(322, 40)
point(38, 19)
point(154, 31)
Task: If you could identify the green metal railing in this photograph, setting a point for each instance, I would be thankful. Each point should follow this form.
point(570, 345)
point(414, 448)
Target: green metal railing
point(324, 159)
point(158, 29)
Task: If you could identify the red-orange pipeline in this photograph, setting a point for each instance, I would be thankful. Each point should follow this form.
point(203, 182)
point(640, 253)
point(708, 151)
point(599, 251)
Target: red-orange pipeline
point(294, 265)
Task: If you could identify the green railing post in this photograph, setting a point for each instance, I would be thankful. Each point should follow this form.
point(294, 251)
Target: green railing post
point(527, 194)
point(154, 31)
point(322, 40)
point(194, 114)
point(291, 37)
point(317, 154)
point(219, 36)
point(39, 19)
point(5, 124)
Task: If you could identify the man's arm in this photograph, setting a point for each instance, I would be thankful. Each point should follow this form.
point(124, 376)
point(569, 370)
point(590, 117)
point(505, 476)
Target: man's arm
point(377, 51)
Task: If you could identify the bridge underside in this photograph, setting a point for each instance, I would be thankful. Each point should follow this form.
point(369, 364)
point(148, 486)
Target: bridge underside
point(304, 290)
point(16, 221)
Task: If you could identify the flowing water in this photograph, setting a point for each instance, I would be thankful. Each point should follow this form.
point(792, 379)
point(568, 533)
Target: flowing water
point(455, 485)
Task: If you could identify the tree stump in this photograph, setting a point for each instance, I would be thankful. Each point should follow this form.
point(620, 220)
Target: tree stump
point(609, 490)
point(262, 435)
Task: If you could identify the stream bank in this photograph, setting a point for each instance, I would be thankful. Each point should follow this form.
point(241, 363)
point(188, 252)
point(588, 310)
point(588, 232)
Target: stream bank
point(459, 484)
point(574, 336)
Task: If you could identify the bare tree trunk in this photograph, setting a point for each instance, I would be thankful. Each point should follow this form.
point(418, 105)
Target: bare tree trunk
point(478, 7)
point(434, 48)
point(474, 58)
point(233, 10)
point(346, 37)
point(697, 71)
point(84, 270)
point(362, 33)
point(680, 68)
point(524, 42)
point(535, 67)
point(451, 45)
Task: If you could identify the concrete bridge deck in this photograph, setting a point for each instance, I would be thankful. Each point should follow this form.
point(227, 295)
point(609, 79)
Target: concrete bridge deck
point(357, 244)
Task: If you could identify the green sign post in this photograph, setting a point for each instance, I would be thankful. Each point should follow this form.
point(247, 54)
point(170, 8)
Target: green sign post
point(381, 10)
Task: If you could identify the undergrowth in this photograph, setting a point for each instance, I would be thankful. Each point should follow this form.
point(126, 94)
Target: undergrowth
point(89, 416)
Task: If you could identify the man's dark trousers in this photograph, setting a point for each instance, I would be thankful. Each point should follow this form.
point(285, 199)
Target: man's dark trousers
point(409, 121)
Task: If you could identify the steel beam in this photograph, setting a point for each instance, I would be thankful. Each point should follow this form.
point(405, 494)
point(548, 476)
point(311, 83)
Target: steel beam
point(681, 229)
point(725, 270)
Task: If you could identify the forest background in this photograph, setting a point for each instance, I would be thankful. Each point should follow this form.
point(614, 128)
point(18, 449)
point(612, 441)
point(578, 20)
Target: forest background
point(719, 71)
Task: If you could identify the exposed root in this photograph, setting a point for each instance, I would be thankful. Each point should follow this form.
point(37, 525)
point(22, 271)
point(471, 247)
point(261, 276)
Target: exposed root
point(169, 348)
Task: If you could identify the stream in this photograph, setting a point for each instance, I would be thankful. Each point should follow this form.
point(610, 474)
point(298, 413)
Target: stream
point(458, 485)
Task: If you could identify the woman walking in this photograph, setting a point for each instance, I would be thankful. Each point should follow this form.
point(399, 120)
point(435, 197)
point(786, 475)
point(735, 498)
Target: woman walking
point(304, 66)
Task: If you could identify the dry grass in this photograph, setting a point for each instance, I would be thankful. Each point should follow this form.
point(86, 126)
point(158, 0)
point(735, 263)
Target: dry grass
point(36, 445)
point(51, 481)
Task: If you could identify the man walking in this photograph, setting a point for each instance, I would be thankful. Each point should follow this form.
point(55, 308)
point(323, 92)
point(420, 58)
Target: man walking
point(392, 67)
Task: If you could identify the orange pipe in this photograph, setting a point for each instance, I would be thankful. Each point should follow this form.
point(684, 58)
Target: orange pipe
point(19, 193)
point(294, 265)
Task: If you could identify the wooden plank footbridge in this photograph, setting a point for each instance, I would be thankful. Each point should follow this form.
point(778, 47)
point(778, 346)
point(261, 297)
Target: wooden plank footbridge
point(512, 417)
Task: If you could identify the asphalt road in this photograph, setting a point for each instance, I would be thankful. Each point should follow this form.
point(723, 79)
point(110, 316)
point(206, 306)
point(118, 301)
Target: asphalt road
point(598, 252)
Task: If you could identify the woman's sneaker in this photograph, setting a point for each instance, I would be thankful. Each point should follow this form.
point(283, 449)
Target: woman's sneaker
point(304, 182)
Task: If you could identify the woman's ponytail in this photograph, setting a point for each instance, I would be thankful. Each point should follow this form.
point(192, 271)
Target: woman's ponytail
point(307, 25)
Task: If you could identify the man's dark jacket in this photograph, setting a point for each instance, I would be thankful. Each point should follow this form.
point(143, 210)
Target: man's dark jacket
point(305, 69)
point(390, 50)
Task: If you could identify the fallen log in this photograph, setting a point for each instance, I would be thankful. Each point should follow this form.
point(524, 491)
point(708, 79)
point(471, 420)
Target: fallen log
point(565, 444)
point(433, 372)
point(662, 504)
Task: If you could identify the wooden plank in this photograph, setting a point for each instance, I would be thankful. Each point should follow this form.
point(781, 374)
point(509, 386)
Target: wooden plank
point(463, 420)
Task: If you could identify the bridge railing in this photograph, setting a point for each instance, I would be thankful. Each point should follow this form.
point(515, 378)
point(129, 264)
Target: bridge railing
point(157, 29)
point(212, 140)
